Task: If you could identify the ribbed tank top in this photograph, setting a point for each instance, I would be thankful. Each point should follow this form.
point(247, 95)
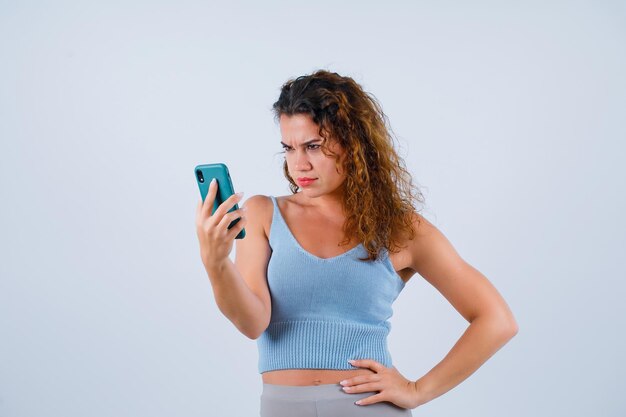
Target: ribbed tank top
point(325, 311)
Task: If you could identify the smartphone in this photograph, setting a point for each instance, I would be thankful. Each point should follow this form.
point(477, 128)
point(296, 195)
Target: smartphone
point(204, 174)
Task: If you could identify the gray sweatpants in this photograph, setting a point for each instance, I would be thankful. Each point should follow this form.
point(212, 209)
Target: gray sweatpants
point(326, 400)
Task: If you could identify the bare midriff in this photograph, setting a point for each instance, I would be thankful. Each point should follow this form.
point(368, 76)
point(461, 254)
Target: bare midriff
point(302, 377)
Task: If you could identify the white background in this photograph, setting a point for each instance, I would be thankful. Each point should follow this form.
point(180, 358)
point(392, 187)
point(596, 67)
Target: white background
point(510, 117)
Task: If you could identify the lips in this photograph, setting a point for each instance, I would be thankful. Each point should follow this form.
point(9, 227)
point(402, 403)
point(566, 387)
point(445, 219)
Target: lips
point(305, 181)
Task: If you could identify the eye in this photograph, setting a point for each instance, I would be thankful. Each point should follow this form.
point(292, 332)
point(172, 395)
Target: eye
point(310, 146)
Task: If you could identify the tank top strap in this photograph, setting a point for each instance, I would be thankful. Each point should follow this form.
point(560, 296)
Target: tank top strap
point(278, 229)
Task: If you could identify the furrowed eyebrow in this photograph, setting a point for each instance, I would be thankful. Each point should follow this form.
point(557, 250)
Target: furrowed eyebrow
point(304, 143)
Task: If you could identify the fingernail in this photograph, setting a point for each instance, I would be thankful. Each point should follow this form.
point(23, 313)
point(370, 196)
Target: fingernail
point(358, 402)
point(240, 194)
point(343, 382)
point(212, 182)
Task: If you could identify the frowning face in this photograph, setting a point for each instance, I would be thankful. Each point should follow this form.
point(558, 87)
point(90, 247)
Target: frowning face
point(313, 171)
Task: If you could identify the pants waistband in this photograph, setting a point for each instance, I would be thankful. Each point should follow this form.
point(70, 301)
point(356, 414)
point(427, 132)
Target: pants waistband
point(305, 392)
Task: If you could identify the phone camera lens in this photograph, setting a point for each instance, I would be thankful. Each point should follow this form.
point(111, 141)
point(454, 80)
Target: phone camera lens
point(200, 176)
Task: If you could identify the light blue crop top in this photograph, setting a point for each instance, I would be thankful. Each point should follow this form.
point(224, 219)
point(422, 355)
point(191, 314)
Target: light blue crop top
point(325, 311)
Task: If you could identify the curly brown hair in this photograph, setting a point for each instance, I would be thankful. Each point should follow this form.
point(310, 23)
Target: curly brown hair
point(379, 192)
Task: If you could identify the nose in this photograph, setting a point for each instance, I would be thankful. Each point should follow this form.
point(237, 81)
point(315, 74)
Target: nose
point(301, 162)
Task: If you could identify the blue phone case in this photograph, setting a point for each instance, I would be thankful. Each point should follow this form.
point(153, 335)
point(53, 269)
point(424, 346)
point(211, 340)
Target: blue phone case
point(204, 174)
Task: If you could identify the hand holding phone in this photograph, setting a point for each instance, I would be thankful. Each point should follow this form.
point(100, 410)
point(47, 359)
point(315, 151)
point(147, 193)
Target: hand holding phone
point(218, 218)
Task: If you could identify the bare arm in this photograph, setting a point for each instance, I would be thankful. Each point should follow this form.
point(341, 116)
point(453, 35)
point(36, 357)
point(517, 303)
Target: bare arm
point(236, 300)
point(240, 289)
point(492, 324)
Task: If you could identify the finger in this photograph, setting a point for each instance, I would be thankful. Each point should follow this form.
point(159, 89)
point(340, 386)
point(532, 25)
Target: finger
point(229, 218)
point(234, 231)
point(368, 363)
point(366, 387)
point(361, 379)
point(210, 198)
point(198, 210)
point(372, 399)
point(228, 204)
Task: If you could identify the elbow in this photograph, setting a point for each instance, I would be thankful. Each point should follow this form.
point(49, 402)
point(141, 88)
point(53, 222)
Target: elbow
point(254, 328)
point(251, 336)
point(251, 333)
point(502, 324)
point(510, 327)
point(254, 334)
point(514, 328)
point(506, 323)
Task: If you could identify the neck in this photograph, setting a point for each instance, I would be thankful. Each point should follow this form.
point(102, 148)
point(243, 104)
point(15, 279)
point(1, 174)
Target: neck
point(325, 203)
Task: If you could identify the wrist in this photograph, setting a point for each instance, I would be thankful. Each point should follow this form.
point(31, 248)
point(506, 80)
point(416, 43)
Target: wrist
point(215, 269)
point(421, 394)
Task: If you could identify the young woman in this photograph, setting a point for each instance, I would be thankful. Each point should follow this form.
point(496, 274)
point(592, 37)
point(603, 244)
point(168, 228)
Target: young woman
point(316, 275)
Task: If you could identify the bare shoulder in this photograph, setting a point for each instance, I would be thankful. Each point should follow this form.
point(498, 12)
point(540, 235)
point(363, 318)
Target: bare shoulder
point(259, 212)
point(259, 201)
point(405, 258)
point(422, 229)
point(426, 240)
point(422, 226)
